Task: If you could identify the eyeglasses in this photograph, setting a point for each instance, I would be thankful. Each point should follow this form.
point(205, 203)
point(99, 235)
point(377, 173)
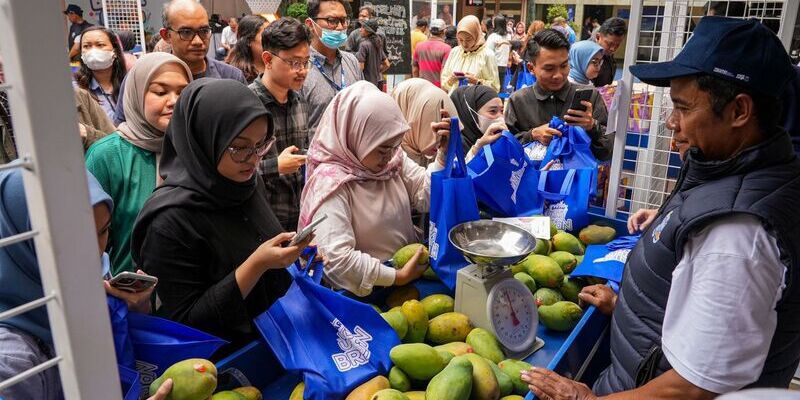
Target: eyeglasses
point(335, 21)
point(596, 62)
point(294, 65)
point(188, 34)
point(242, 154)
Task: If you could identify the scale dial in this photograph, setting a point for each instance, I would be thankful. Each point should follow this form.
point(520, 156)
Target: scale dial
point(512, 315)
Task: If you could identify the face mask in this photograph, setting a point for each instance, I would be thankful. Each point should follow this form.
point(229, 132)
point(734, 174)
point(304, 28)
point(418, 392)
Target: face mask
point(97, 59)
point(332, 39)
point(484, 123)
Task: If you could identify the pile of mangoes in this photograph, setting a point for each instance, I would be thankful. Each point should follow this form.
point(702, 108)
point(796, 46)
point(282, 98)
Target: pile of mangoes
point(196, 379)
point(546, 274)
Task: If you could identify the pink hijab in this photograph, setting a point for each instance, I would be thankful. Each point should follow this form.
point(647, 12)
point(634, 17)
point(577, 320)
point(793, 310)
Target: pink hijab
point(357, 121)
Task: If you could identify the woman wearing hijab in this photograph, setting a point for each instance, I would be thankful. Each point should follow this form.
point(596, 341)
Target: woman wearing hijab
point(207, 232)
point(359, 177)
point(471, 57)
point(480, 111)
point(125, 162)
point(585, 59)
point(421, 102)
point(25, 340)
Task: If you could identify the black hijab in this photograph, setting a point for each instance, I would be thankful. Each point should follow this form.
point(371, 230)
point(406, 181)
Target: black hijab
point(210, 113)
point(475, 97)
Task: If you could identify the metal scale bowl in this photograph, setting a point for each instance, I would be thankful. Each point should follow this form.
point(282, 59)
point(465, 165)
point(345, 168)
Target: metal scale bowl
point(486, 290)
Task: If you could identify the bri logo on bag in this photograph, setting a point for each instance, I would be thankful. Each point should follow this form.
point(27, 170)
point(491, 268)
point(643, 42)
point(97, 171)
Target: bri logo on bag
point(433, 247)
point(354, 346)
point(616, 255)
point(558, 214)
point(516, 179)
point(657, 231)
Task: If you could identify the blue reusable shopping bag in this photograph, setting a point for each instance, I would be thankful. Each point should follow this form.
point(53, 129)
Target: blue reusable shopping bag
point(566, 197)
point(453, 202)
point(505, 180)
point(572, 150)
point(158, 343)
point(118, 313)
point(606, 261)
point(335, 342)
point(129, 380)
point(525, 78)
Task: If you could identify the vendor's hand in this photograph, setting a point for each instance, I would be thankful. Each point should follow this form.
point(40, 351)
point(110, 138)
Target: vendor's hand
point(272, 255)
point(580, 118)
point(411, 271)
point(641, 219)
point(441, 131)
point(163, 391)
point(288, 162)
point(138, 302)
point(493, 132)
point(544, 134)
point(548, 385)
point(471, 78)
point(600, 296)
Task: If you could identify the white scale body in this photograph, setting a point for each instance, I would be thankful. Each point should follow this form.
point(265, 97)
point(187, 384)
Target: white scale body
point(495, 301)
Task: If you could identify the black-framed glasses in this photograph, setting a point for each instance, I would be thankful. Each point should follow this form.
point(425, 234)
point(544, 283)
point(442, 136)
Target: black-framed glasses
point(597, 62)
point(294, 65)
point(242, 154)
point(188, 34)
point(335, 21)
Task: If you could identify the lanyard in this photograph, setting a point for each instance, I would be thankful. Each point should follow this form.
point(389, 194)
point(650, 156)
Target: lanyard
point(328, 77)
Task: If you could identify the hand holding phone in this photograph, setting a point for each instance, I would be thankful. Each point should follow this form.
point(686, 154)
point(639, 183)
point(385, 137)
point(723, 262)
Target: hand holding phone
point(580, 95)
point(458, 74)
point(307, 230)
point(132, 282)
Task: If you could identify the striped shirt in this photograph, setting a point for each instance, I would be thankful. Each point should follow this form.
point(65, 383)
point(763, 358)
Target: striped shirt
point(430, 57)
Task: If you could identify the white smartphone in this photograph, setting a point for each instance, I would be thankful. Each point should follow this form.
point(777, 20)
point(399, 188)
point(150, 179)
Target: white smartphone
point(307, 230)
point(132, 282)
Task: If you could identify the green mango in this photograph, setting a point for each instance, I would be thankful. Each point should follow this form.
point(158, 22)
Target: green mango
point(512, 368)
point(448, 327)
point(512, 397)
point(453, 383)
point(565, 260)
point(544, 270)
point(438, 304)
point(484, 382)
point(485, 344)
point(563, 241)
point(415, 395)
point(389, 394)
point(397, 321)
point(418, 360)
point(457, 348)
point(594, 234)
point(366, 390)
point(561, 316)
point(570, 289)
point(547, 296)
point(401, 294)
point(401, 257)
point(542, 247)
point(249, 393)
point(297, 392)
point(579, 259)
point(192, 379)
point(553, 229)
point(228, 395)
point(417, 319)
point(526, 280)
point(430, 275)
point(376, 308)
point(446, 356)
point(503, 381)
point(398, 380)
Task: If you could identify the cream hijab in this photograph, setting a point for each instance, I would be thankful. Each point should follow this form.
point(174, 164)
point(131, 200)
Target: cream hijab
point(471, 25)
point(136, 129)
point(420, 102)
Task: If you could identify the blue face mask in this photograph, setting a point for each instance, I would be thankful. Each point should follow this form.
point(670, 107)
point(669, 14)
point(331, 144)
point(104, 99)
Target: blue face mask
point(332, 39)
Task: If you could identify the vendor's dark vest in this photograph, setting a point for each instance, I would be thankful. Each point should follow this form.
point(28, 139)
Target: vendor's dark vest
point(763, 181)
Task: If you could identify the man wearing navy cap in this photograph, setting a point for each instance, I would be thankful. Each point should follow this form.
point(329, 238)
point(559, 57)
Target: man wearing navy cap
point(75, 16)
point(710, 299)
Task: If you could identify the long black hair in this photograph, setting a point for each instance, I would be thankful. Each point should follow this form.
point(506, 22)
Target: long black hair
point(84, 75)
point(500, 25)
point(241, 56)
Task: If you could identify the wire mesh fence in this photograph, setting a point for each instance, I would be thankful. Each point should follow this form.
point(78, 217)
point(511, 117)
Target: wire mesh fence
point(125, 15)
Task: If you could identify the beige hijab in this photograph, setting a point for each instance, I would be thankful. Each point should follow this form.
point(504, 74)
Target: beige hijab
point(472, 26)
point(136, 129)
point(420, 102)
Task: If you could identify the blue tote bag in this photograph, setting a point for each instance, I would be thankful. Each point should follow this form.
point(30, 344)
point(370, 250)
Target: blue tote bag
point(335, 342)
point(129, 380)
point(571, 150)
point(453, 201)
point(566, 197)
point(505, 180)
point(525, 78)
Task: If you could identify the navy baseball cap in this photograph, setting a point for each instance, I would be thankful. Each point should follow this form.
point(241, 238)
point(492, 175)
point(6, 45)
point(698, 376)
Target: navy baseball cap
point(74, 8)
point(742, 51)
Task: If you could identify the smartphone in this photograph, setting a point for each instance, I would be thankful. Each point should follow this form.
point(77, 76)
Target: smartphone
point(580, 95)
point(458, 74)
point(307, 230)
point(132, 282)
point(301, 152)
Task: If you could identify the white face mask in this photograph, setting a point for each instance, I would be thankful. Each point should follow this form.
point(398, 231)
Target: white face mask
point(484, 123)
point(97, 59)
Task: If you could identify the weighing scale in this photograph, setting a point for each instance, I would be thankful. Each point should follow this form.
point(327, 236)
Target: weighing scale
point(486, 290)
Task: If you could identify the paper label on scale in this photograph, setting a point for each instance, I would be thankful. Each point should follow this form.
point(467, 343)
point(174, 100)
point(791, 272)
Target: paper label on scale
point(537, 226)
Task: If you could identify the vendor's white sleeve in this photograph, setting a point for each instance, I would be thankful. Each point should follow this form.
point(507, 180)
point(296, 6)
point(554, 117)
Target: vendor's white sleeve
point(720, 315)
point(348, 268)
point(417, 181)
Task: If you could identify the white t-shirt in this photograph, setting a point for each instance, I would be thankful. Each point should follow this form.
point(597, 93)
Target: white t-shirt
point(720, 315)
point(228, 36)
point(501, 46)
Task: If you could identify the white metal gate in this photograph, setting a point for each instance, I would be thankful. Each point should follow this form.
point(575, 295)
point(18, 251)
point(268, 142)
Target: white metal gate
point(42, 107)
point(644, 169)
point(125, 15)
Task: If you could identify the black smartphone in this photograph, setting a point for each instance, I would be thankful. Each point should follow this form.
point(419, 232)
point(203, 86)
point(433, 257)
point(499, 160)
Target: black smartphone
point(581, 95)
